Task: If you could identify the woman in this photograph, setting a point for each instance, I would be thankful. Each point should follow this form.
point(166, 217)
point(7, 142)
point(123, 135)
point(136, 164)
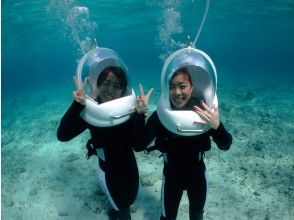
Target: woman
point(118, 171)
point(184, 168)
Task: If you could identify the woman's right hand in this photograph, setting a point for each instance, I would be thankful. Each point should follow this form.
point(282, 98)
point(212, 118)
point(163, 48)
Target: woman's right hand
point(79, 95)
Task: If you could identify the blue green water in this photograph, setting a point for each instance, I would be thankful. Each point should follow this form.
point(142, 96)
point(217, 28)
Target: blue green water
point(248, 40)
point(251, 44)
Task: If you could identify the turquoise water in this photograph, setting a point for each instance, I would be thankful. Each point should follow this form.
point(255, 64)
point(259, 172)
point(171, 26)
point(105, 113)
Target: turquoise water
point(248, 40)
point(251, 44)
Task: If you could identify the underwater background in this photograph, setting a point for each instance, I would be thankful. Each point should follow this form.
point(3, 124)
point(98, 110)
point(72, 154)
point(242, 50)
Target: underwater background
point(249, 41)
point(251, 44)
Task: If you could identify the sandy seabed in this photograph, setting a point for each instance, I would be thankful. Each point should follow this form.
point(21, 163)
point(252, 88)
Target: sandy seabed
point(43, 178)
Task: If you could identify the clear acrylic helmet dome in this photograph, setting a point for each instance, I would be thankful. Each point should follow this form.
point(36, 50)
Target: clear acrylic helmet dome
point(204, 79)
point(115, 111)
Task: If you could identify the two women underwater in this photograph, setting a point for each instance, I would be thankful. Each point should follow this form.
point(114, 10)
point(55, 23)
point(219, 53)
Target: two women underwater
point(183, 164)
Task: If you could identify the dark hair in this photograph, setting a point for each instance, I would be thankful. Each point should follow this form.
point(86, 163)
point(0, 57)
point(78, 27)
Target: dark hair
point(118, 72)
point(184, 71)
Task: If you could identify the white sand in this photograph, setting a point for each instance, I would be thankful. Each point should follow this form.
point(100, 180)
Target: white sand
point(46, 179)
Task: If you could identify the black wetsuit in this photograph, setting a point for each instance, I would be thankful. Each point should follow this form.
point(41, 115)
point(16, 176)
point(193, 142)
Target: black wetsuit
point(184, 168)
point(117, 164)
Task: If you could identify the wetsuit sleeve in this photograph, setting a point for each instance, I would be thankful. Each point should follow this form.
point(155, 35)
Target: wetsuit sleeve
point(137, 131)
point(147, 132)
point(71, 124)
point(221, 137)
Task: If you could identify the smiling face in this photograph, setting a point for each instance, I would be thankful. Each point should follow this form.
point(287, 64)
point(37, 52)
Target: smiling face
point(180, 89)
point(110, 86)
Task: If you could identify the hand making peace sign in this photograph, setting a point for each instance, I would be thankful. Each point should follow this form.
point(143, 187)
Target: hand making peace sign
point(142, 100)
point(79, 95)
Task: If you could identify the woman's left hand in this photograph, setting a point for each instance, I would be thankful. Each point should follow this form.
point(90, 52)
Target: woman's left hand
point(142, 100)
point(209, 116)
